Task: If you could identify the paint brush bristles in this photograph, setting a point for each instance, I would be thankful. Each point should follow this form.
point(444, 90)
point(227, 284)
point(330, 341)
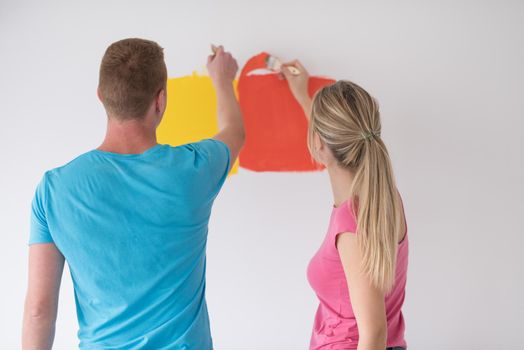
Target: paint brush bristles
point(274, 64)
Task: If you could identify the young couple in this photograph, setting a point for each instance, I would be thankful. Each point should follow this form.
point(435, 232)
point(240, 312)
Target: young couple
point(131, 218)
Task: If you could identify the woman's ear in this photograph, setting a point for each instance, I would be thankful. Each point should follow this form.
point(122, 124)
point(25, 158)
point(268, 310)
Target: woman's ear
point(318, 148)
point(324, 154)
point(319, 144)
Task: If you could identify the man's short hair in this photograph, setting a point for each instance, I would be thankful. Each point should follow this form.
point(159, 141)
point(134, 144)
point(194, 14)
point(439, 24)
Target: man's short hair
point(132, 73)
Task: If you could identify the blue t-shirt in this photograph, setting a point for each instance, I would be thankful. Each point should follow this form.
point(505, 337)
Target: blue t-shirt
point(133, 230)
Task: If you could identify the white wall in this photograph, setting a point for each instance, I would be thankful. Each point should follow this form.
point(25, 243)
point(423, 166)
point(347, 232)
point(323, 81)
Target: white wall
point(449, 76)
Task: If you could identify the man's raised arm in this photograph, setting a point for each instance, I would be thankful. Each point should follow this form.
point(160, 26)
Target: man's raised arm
point(222, 68)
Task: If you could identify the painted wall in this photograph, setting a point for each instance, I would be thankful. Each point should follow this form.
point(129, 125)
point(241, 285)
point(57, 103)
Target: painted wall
point(449, 78)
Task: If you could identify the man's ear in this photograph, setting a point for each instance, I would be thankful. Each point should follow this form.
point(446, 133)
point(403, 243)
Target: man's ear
point(161, 101)
point(98, 94)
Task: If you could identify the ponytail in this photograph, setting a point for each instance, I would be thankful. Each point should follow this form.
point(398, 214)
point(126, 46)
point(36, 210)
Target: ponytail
point(378, 211)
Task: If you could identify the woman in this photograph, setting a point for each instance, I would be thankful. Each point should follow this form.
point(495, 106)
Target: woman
point(359, 272)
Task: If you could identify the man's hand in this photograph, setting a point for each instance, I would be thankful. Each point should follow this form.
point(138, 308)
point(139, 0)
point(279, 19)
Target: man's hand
point(222, 67)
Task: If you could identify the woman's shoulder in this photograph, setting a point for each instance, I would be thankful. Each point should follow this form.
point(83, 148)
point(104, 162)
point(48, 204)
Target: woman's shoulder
point(344, 218)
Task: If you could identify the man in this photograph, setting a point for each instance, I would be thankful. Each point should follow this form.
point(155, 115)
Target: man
point(131, 217)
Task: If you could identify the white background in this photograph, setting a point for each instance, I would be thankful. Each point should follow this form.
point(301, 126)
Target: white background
point(449, 77)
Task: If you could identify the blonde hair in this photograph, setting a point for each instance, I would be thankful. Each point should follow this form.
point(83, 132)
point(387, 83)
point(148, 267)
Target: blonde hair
point(347, 119)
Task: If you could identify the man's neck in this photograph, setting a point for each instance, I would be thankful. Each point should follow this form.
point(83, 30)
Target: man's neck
point(128, 137)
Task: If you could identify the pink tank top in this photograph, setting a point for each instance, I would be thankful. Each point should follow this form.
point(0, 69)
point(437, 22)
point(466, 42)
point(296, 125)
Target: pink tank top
point(335, 326)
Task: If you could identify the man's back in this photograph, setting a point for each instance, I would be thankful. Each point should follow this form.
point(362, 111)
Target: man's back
point(133, 229)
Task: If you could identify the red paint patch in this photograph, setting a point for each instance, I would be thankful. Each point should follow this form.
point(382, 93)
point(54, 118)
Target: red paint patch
point(276, 127)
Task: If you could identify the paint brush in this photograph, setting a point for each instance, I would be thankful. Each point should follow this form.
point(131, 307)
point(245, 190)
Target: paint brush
point(274, 64)
point(214, 49)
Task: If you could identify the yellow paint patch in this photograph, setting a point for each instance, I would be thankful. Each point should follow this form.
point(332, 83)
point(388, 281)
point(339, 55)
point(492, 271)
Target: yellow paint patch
point(191, 112)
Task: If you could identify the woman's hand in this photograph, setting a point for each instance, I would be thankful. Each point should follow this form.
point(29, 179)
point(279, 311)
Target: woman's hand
point(298, 84)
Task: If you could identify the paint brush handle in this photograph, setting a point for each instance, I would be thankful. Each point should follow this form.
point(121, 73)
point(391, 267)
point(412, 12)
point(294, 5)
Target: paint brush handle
point(293, 70)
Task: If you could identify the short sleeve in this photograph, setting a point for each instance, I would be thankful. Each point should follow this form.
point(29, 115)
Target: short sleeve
point(39, 230)
point(344, 221)
point(215, 157)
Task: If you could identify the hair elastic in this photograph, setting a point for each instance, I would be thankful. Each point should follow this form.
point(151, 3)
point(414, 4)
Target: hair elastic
point(369, 134)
